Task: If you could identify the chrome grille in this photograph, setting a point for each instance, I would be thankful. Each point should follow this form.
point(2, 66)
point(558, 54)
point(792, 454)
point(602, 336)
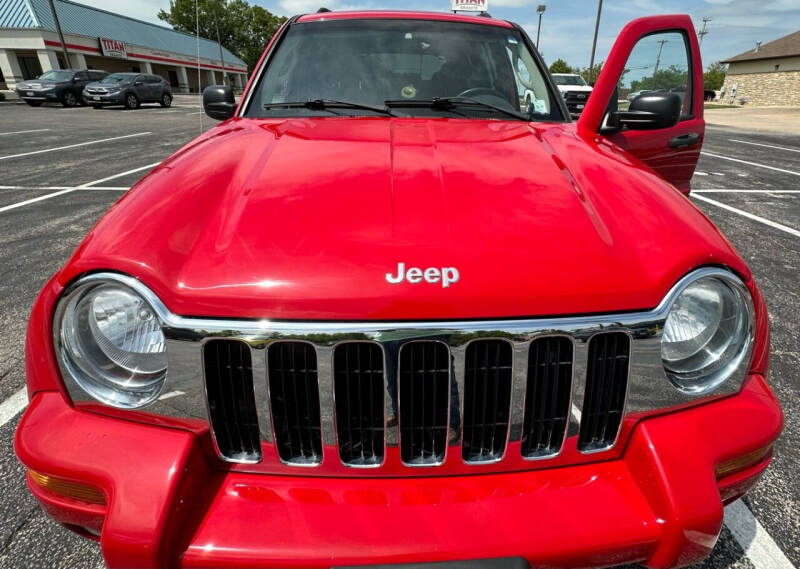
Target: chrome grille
point(423, 391)
point(291, 374)
point(487, 400)
point(606, 386)
point(231, 400)
point(547, 400)
point(294, 396)
point(358, 392)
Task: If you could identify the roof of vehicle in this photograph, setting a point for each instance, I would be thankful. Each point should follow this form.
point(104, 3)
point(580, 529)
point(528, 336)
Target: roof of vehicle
point(404, 15)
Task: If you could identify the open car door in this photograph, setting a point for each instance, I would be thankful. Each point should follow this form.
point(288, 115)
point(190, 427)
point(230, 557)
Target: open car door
point(649, 97)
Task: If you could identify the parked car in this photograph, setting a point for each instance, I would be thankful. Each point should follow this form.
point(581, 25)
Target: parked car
point(633, 94)
point(574, 90)
point(382, 315)
point(58, 86)
point(130, 90)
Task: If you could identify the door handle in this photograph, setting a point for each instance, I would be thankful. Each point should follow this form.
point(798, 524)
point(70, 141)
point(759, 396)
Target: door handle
point(684, 140)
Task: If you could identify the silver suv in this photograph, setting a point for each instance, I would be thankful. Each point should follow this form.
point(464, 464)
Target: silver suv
point(130, 90)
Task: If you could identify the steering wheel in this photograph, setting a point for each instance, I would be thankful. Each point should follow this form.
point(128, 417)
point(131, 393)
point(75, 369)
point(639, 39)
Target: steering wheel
point(482, 93)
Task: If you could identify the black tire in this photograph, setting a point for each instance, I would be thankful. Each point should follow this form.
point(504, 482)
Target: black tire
point(131, 101)
point(69, 99)
point(166, 100)
point(35, 103)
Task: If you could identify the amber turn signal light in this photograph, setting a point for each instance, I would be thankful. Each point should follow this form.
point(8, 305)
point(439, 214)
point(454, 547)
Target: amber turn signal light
point(68, 488)
point(742, 462)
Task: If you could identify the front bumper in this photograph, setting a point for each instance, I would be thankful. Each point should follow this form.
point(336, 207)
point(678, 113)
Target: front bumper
point(32, 95)
point(171, 503)
point(103, 98)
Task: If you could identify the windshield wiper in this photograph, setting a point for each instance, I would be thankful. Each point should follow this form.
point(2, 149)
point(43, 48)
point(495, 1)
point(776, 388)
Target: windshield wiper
point(449, 103)
point(328, 105)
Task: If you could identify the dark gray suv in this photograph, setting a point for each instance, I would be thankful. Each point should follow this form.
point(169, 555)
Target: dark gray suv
point(58, 86)
point(130, 90)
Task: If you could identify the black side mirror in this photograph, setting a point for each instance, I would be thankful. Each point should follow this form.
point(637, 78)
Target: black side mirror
point(218, 102)
point(651, 111)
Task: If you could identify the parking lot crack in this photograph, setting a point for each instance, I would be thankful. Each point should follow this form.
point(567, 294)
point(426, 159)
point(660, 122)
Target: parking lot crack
point(17, 529)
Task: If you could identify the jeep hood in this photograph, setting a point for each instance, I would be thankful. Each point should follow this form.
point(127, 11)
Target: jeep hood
point(304, 218)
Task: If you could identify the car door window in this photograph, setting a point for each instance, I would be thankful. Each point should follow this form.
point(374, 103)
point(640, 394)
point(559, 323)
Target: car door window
point(658, 63)
point(81, 77)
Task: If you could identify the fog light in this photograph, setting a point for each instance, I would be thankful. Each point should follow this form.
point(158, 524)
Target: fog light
point(742, 462)
point(68, 488)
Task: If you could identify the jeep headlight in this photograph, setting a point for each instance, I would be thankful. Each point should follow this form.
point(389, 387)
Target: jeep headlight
point(110, 341)
point(708, 333)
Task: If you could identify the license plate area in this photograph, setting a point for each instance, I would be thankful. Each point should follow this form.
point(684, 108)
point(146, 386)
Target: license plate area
point(499, 563)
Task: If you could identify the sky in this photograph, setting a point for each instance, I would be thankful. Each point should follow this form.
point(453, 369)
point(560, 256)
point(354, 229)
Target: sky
point(568, 25)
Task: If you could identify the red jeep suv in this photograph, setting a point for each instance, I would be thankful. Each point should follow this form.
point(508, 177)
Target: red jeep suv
point(390, 313)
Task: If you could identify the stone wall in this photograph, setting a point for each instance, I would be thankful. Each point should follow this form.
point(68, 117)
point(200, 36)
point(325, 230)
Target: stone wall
point(775, 89)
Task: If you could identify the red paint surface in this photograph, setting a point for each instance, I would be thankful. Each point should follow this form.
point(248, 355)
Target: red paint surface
point(301, 219)
point(550, 222)
point(651, 147)
point(168, 506)
point(404, 15)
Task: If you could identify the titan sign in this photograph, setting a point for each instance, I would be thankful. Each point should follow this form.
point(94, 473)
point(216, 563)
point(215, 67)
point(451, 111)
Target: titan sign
point(113, 48)
point(469, 5)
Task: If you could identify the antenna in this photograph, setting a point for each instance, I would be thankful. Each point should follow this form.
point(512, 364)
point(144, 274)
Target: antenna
point(199, 76)
point(702, 33)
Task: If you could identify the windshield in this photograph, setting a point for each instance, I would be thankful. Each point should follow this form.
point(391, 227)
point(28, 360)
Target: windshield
point(372, 61)
point(569, 80)
point(118, 78)
point(57, 76)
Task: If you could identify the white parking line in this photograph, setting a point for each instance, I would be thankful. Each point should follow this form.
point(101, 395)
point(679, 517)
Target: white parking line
point(704, 153)
point(24, 131)
point(88, 185)
point(765, 145)
point(73, 145)
point(758, 546)
point(13, 405)
point(785, 228)
point(734, 191)
point(64, 188)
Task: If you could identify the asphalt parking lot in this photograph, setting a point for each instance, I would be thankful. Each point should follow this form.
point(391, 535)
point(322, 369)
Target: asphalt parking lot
point(60, 169)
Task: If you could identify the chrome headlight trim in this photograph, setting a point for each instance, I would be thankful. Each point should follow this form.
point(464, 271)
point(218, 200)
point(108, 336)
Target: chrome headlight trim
point(722, 356)
point(123, 376)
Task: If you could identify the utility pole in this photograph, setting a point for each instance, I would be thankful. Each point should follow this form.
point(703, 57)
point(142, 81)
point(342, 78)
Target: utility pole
point(594, 42)
point(539, 10)
point(658, 57)
point(702, 33)
point(219, 43)
point(60, 34)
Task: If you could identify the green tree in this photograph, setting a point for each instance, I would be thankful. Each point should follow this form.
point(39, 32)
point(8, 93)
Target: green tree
point(560, 66)
point(591, 75)
point(714, 76)
point(669, 78)
point(244, 29)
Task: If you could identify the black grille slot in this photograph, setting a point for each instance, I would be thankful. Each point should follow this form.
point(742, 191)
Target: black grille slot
point(606, 385)
point(294, 396)
point(358, 389)
point(424, 375)
point(547, 396)
point(231, 400)
point(487, 400)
